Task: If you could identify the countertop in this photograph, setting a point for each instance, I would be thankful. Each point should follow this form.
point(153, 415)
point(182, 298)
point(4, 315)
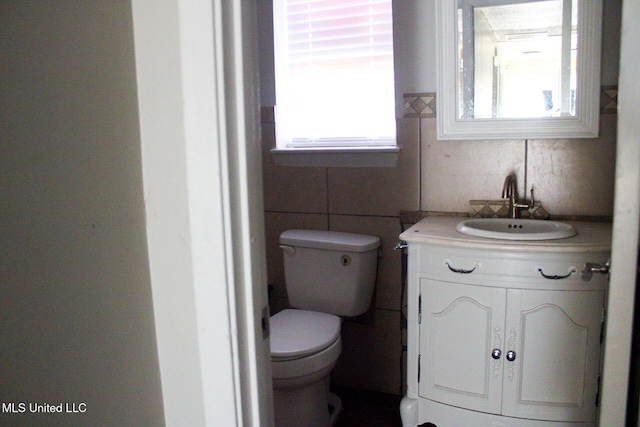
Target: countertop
point(440, 230)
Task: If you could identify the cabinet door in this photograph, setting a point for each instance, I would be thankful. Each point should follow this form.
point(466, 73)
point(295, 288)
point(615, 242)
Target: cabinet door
point(460, 326)
point(556, 339)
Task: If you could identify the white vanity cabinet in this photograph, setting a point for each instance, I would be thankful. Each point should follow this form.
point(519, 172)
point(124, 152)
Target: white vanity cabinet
point(519, 353)
point(492, 341)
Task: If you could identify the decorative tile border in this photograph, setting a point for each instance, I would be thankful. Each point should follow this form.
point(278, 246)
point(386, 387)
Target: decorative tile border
point(608, 99)
point(490, 208)
point(419, 105)
point(500, 209)
point(423, 105)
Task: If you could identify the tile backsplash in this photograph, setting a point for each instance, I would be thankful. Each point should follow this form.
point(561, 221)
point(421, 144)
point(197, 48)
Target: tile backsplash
point(500, 209)
point(419, 105)
point(570, 177)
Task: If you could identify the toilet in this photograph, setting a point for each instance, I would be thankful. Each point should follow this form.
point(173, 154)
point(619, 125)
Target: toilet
point(328, 274)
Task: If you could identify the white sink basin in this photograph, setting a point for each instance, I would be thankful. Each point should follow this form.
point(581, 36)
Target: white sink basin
point(516, 229)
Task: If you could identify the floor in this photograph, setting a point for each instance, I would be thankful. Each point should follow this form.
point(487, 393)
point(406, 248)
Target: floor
point(368, 408)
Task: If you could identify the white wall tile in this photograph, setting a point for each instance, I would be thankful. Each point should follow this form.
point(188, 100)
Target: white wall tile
point(575, 176)
point(454, 172)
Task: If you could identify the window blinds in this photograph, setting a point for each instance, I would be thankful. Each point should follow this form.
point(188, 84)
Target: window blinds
point(335, 85)
point(334, 32)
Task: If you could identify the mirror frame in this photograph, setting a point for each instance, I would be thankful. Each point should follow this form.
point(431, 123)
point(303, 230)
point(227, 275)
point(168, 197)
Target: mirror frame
point(583, 125)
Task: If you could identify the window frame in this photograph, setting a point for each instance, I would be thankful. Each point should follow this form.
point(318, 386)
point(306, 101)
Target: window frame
point(321, 151)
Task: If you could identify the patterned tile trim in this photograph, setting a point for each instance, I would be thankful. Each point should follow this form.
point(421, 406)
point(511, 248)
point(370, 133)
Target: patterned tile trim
point(500, 209)
point(419, 105)
point(608, 99)
point(423, 105)
point(490, 208)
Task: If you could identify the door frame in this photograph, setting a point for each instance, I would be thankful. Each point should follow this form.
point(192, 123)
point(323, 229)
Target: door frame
point(626, 225)
point(201, 166)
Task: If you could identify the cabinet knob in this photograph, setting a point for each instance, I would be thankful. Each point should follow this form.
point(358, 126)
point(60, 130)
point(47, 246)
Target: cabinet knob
point(511, 355)
point(496, 353)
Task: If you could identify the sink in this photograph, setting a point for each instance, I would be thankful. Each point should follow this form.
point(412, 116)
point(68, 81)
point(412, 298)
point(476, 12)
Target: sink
point(516, 229)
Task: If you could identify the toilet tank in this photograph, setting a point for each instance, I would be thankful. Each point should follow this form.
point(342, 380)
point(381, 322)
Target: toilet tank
point(330, 271)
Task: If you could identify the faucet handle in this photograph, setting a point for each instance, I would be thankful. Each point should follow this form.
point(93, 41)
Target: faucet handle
point(532, 201)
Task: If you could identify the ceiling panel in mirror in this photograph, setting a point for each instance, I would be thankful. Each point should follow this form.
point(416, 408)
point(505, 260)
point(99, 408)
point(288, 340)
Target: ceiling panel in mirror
point(518, 68)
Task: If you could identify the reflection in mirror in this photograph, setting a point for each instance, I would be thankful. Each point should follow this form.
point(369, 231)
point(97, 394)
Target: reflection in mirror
point(517, 60)
point(518, 68)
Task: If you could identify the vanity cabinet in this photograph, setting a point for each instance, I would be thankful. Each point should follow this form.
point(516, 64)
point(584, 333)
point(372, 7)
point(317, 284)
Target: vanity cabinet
point(519, 353)
point(502, 333)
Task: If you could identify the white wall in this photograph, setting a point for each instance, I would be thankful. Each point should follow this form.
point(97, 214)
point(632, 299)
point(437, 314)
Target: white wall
point(76, 316)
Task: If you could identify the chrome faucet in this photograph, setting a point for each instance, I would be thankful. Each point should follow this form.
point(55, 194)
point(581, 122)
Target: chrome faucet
point(510, 191)
point(509, 187)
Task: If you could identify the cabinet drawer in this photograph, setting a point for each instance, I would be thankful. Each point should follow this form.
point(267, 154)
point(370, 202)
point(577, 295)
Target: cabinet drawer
point(495, 268)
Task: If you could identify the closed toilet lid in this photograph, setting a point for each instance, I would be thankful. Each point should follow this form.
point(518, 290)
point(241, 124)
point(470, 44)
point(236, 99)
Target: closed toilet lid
point(297, 333)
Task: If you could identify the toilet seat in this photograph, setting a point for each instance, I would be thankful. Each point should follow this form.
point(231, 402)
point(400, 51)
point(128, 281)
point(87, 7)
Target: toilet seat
point(299, 333)
point(303, 343)
point(314, 366)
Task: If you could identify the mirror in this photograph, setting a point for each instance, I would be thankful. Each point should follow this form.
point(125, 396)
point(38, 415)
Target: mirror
point(518, 68)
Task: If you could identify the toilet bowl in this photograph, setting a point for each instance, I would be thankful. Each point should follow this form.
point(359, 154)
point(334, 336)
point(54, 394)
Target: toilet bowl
point(305, 346)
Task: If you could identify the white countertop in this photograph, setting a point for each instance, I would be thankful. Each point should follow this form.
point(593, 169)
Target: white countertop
point(437, 230)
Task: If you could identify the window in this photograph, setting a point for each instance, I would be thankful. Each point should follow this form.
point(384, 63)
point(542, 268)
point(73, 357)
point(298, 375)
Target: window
point(334, 73)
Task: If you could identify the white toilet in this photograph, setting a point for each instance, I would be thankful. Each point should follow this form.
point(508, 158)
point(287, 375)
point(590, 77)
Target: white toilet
point(327, 274)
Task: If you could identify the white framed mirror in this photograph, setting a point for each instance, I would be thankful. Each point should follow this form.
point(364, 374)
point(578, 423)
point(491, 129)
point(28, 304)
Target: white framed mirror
point(518, 69)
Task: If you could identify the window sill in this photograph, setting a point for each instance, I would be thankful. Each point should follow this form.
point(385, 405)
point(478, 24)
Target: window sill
point(337, 157)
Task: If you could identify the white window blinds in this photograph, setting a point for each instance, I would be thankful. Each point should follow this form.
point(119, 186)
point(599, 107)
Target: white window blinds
point(334, 72)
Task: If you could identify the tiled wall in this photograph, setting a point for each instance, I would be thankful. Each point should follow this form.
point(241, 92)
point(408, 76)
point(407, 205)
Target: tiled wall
point(360, 200)
point(570, 177)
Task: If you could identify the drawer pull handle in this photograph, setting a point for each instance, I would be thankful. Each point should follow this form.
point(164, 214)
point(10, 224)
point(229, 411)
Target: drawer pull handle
point(572, 270)
point(461, 270)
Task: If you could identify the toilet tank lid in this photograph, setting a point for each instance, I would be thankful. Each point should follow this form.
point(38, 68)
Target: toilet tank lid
point(330, 240)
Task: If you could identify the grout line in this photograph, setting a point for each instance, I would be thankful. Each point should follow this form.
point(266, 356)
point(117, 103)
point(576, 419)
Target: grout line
point(393, 310)
point(326, 183)
point(333, 214)
point(526, 167)
point(420, 163)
